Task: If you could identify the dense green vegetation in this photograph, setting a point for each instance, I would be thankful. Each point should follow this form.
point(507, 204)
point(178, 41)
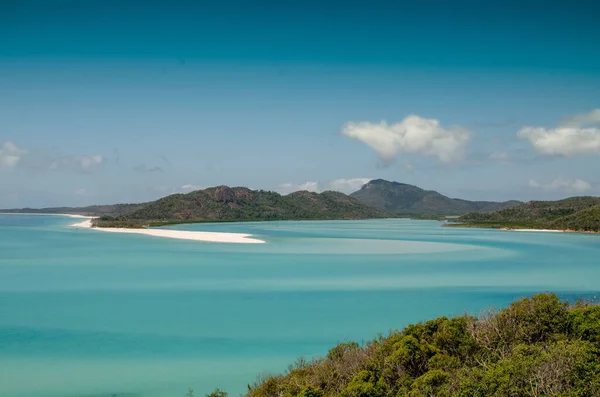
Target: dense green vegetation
point(575, 213)
point(536, 347)
point(406, 199)
point(222, 203)
point(378, 198)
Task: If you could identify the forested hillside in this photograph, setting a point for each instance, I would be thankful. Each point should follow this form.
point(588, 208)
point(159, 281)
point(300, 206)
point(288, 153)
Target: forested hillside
point(223, 203)
point(575, 213)
point(401, 198)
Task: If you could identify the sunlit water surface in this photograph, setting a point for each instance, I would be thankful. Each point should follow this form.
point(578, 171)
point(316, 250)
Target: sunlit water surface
point(87, 313)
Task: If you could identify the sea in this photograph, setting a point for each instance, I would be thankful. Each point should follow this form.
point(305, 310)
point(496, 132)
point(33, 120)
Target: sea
point(84, 313)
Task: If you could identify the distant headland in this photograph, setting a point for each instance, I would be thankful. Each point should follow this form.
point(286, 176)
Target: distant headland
point(376, 199)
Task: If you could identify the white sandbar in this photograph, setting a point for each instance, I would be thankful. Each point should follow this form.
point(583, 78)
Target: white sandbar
point(536, 230)
point(213, 237)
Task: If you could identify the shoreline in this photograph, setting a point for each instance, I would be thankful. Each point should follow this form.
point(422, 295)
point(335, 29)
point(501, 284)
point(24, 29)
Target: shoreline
point(211, 237)
point(44, 214)
point(535, 230)
point(516, 229)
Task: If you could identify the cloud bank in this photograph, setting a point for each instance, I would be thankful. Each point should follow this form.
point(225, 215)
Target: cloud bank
point(499, 156)
point(81, 163)
point(143, 168)
point(189, 187)
point(347, 185)
point(286, 188)
point(573, 185)
point(574, 136)
point(414, 134)
point(10, 155)
point(343, 185)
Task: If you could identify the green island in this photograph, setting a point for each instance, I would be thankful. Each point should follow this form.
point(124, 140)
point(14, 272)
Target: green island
point(377, 198)
point(538, 346)
point(413, 201)
point(577, 214)
point(237, 204)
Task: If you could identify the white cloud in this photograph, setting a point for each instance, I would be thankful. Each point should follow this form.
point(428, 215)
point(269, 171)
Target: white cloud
point(584, 119)
point(574, 185)
point(81, 192)
point(572, 137)
point(81, 163)
point(191, 187)
point(409, 167)
point(499, 156)
point(414, 134)
point(344, 185)
point(143, 168)
point(287, 188)
point(10, 155)
point(88, 162)
point(347, 185)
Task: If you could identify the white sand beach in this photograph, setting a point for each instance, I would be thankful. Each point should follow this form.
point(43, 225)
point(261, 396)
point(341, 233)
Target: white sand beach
point(536, 230)
point(213, 237)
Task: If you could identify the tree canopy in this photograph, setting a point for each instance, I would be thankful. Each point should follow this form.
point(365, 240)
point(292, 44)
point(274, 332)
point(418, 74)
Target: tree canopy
point(538, 346)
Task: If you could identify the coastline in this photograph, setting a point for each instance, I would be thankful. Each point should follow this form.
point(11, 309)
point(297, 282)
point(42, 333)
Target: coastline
point(44, 214)
point(516, 229)
point(535, 230)
point(212, 237)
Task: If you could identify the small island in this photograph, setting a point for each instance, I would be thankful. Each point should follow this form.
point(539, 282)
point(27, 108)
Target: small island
point(575, 214)
point(222, 204)
point(240, 204)
point(376, 199)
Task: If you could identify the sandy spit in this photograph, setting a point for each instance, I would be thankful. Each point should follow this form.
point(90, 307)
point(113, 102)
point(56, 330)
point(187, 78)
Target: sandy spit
point(535, 230)
point(213, 237)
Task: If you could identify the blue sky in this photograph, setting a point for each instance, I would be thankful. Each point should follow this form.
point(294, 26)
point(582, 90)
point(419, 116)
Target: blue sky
point(127, 101)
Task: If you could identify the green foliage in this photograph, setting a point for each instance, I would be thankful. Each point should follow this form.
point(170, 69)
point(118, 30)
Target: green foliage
point(341, 349)
point(431, 383)
point(225, 204)
point(537, 346)
point(365, 384)
point(575, 213)
point(311, 391)
point(267, 388)
point(585, 322)
point(217, 393)
point(405, 199)
point(411, 356)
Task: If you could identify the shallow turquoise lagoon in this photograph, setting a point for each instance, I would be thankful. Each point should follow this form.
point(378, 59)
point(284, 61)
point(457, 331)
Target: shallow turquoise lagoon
point(87, 313)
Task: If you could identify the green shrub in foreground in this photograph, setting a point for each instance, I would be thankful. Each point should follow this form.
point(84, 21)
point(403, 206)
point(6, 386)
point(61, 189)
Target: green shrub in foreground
point(537, 346)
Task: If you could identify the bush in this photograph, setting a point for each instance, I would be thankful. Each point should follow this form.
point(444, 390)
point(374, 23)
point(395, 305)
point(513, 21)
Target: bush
point(311, 391)
point(537, 346)
point(365, 384)
point(585, 322)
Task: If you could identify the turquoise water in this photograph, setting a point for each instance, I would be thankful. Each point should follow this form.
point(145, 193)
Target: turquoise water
point(87, 313)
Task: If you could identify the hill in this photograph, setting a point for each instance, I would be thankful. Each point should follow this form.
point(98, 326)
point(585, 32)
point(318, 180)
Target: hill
point(575, 213)
point(406, 199)
point(538, 346)
point(223, 203)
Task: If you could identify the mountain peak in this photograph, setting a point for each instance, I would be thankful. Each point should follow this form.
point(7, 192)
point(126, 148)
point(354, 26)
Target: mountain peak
point(403, 198)
point(383, 182)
